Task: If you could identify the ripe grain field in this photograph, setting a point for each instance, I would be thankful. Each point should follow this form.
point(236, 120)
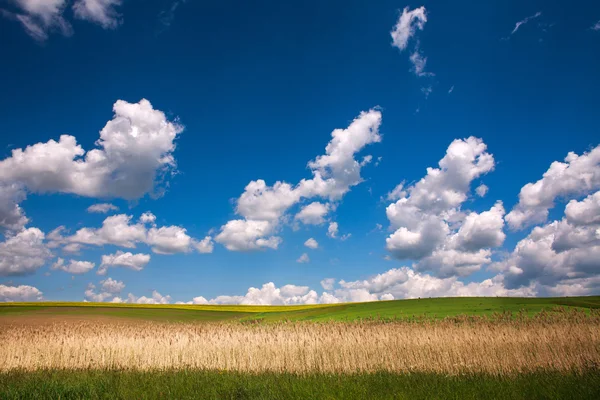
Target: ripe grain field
point(73, 352)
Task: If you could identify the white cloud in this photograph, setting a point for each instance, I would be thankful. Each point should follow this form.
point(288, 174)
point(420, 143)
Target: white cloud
point(481, 190)
point(313, 213)
point(12, 216)
point(304, 258)
point(596, 26)
point(244, 235)
point(19, 293)
point(74, 267)
point(134, 155)
point(311, 243)
point(419, 61)
point(524, 21)
point(204, 246)
point(407, 26)
point(451, 89)
point(115, 230)
point(397, 193)
point(334, 173)
point(23, 253)
point(102, 208)
point(112, 286)
point(39, 17)
point(562, 256)
point(269, 294)
point(429, 226)
point(148, 218)
point(156, 298)
point(101, 12)
point(169, 240)
point(328, 283)
point(332, 230)
point(576, 176)
point(136, 262)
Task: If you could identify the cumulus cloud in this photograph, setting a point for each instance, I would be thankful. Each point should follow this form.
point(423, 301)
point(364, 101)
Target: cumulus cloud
point(156, 298)
point(12, 216)
point(204, 246)
point(269, 294)
point(263, 207)
point(313, 213)
point(23, 253)
point(74, 267)
point(303, 259)
point(108, 289)
point(134, 155)
point(19, 293)
point(102, 208)
point(136, 262)
point(39, 18)
point(481, 190)
point(311, 243)
point(101, 12)
point(328, 283)
point(561, 257)
point(332, 230)
point(428, 224)
point(576, 176)
point(118, 230)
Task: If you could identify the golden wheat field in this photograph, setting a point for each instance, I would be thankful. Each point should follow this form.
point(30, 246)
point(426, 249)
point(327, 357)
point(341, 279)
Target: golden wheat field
point(568, 341)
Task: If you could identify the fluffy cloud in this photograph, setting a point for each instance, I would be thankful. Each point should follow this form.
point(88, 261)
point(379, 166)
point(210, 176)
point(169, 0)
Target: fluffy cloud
point(244, 235)
point(102, 208)
point(136, 262)
point(108, 289)
point(101, 12)
point(313, 213)
point(303, 259)
point(332, 230)
point(205, 245)
point(12, 216)
point(576, 176)
point(19, 293)
point(169, 240)
point(74, 267)
point(328, 283)
point(39, 17)
point(118, 230)
point(562, 256)
point(156, 298)
point(481, 190)
point(134, 154)
point(23, 253)
point(311, 243)
point(429, 226)
point(269, 294)
point(334, 173)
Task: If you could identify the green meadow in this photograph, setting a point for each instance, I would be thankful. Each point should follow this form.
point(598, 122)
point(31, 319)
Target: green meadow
point(396, 309)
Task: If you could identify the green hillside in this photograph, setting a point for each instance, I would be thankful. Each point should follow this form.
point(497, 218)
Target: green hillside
point(436, 307)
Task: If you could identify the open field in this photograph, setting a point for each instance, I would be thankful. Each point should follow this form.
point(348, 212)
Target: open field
point(193, 384)
point(397, 309)
point(427, 348)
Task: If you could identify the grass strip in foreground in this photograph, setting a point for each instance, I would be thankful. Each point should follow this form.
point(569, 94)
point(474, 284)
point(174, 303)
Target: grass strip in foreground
point(65, 384)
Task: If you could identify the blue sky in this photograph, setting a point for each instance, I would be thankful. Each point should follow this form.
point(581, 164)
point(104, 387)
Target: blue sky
point(254, 92)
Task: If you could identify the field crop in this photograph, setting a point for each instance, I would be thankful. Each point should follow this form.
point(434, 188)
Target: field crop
point(558, 341)
point(423, 348)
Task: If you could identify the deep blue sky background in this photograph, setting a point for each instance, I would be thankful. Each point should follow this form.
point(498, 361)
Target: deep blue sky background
point(259, 88)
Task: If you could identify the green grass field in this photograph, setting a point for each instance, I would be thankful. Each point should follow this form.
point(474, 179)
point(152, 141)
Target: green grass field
point(227, 385)
point(433, 308)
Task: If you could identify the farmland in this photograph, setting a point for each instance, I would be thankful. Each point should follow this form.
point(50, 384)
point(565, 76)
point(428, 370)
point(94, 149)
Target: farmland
point(422, 348)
